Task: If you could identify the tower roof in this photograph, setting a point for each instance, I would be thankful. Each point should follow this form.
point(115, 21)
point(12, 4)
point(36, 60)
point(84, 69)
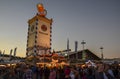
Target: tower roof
point(39, 17)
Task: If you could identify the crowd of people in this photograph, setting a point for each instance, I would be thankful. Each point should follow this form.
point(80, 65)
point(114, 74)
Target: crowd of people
point(24, 71)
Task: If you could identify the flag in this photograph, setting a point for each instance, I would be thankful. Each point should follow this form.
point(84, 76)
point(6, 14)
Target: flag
point(15, 51)
point(10, 52)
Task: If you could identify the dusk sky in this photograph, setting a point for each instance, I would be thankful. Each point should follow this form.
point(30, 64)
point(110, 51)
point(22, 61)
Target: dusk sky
point(95, 21)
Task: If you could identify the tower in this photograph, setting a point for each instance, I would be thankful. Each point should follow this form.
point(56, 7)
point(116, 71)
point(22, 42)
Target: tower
point(39, 33)
point(102, 57)
point(83, 52)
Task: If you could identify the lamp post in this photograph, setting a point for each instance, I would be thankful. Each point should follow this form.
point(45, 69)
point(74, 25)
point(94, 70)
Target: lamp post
point(83, 52)
point(101, 48)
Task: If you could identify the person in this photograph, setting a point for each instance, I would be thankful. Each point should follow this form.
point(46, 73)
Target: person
point(46, 72)
point(52, 74)
point(10, 74)
point(34, 70)
point(108, 74)
point(73, 73)
point(67, 72)
point(38, 73)
point(61, 73)
point(90, 74)
point(1, 73)
point(99, 71)
point(28, 74)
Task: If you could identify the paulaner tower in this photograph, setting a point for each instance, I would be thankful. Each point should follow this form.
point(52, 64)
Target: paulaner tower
point(39, 33)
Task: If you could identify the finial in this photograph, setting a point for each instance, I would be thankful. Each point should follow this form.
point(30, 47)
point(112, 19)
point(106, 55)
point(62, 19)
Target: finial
point(41, 10)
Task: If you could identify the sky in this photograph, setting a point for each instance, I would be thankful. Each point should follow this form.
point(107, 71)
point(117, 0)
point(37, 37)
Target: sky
point(97, 22)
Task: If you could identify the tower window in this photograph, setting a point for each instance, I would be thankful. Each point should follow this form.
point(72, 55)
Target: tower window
point(36, 28)
point(34, 50)
point(29, 25)
point(50, 27)
point(27, 40)
point(27, 46)
point(28, 28)
point(36, 19)
point(35, 41)
point(36, 23)
point(35, 36)
point(32, 28)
